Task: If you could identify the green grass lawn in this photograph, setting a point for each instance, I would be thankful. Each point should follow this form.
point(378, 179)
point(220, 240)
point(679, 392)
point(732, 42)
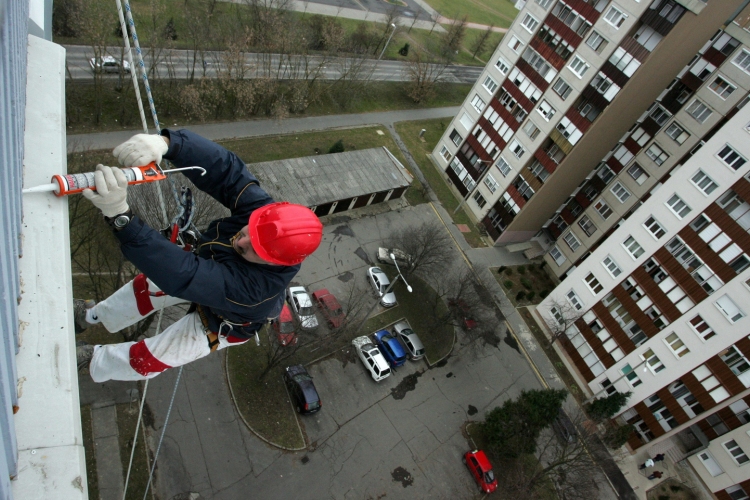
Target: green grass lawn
point(409, 133)
point(498, 12)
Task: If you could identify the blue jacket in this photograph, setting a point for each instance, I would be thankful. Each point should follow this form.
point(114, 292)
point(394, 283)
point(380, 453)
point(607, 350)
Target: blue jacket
point(218, 278)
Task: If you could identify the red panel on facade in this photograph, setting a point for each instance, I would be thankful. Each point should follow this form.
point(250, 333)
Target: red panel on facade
point(582, 200)
point(614, 328)
point(657, 295)
point(707, 255)
point(474, 143)
point(562, 29)
point(487, 127)
point(519, 96)
point(729, 226)
point(649, 418)
point(714, 56)
point(581, 365)
point(680, 275)
point(547, 162)
point(632, 146)
point(614, 164)
point(547, 52)
point(513, 193)
point(579, 121)
point(586, 10)
point(691, 81)
point(672, 405)
point(535, 77)
point(695, 387)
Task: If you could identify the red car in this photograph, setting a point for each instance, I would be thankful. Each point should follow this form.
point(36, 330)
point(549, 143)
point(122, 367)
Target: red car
point(481, 469)
point(330, 307)
point(284, 327)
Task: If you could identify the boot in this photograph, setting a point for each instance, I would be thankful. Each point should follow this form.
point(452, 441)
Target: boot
point(84, 353)
point(80, 307)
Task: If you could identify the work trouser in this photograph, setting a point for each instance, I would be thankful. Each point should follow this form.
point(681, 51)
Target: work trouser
point(180, 343)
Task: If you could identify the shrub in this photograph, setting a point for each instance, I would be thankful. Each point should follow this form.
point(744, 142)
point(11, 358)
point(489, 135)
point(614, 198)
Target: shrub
point(404, 51)
point(338, 147)
point(616, 437)
point(541, 266)
point(526, 283)
point(508, 284)
point(501, 269)
point(520, 296)
point(530, 296)
point(543, 294)
point(602, 409)
point(509, 271)
point(521, 269)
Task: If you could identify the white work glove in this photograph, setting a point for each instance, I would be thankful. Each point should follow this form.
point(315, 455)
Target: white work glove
point(111, 191)
point(140, 150)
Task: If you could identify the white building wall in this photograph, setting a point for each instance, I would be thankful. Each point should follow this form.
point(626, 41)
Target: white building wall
point(731, 471)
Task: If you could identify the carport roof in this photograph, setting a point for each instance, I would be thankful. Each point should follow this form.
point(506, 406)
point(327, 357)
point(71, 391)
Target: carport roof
point(315, 180)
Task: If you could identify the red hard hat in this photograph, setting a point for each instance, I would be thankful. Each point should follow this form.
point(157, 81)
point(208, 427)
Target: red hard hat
point(284, 233)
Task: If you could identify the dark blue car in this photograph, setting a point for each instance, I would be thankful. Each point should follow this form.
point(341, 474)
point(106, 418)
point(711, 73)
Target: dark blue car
point(391, 348)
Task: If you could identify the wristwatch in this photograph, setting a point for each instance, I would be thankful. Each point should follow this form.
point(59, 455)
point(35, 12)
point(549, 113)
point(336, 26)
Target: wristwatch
point(119, 221)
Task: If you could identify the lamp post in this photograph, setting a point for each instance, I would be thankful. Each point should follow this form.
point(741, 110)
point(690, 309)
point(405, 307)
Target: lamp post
point(481, 178)
point(387, 290)
point(386, 45)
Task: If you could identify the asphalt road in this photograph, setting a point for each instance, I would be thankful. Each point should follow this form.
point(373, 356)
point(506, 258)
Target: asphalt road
point(179, 63)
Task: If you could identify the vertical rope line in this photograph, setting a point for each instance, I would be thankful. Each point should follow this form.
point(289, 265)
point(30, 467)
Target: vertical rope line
point(135, 439)
point(133, 74)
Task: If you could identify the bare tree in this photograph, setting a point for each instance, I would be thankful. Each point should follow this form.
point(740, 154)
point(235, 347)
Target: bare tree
point(480, 44)
point(452, 40)
point(562, 316)
point(428, 246)
point(414, 20)
point(422, 77)
point(434, 18)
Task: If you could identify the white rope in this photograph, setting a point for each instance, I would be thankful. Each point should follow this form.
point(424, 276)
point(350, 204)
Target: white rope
point(133, 74)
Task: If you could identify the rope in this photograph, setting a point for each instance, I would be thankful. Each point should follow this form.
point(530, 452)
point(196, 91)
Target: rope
point(133, 75)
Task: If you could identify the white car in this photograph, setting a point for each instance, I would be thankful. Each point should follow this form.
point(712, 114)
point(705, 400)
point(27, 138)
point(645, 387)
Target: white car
point(302, 306)
point(108, 64)
point(372, 358)
point(380, 283)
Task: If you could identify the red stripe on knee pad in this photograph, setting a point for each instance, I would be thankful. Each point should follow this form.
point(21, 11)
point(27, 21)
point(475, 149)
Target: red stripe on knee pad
point(236, 340)
point(142, 297)
point(142, 361)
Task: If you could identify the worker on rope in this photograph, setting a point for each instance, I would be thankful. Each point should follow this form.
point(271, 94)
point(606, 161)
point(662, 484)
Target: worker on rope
point(236, 281)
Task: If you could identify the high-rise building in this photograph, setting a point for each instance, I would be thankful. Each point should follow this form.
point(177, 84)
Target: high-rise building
point(585, 107)
point(660, 309)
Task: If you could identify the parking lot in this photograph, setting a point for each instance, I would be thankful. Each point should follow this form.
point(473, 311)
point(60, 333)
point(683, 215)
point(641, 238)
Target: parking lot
point(398, 438)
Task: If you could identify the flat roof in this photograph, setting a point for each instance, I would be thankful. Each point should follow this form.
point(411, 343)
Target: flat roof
point(315, 180)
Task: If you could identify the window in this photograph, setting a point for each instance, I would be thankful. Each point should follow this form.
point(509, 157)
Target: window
point(491, 183)
point(740, 408)
point(531, 130)
point(467, 121)
point(523, 187)
point(562, 88)
point(572, 241)
point(679, 349)
point(605, 173)
point(456, 137)
point(637, 173)
point(603, 209)
point(588, 227)
point(490, 85)
point(722, 87)
point(652, 361)
point(631, 375)
point(590, 193)
point(544, 3)
point(729, 308)
point(731, 157)
point(701, 328)
point(574, 300)
point(699, 111)
point(736, 452)
point(615, 17)
point(515, 44)
point(546, 110)
point(676, 132)
point(657, 154)
point(516, 148)
point(736, 492)
point(710, 383)
point(654, 227)
point(539, 171)
point(571, 18)
point(704, 182)
point(640, 136)
point(596, 42)
point(611, 266)
point(620, 192)
point(530, 23)
point(593, 284)
point(678, 207)
point(737, 363)
point(659, 114)
point(578, 66)
point(481, 202)
point(622, 154)
point(743, 60)
point(568, 129)
point(502, 66)
point(445, 154)
point(478, 103)
point(557, 255)
point(702, 69)
point(634, 249)
point(503, 166)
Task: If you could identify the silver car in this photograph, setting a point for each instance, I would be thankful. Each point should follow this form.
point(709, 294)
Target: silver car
point(302, 306)
point(414, 346)
point(380, 283)
point(108, 64)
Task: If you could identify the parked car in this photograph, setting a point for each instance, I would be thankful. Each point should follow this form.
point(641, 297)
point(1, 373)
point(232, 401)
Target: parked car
point(108, 64)
point(564, 428)
point(391, 348)
point(414, 346)
point(477, 463)
point(284, 327)
point(402, 258)
point(463, 311)
point(371, 358)
point(302, 389)
point(330, 307)
point(302, 306)
point(380, 283)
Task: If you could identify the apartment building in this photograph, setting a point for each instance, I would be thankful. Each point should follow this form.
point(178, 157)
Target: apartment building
point(661, 310)
point(562, 90)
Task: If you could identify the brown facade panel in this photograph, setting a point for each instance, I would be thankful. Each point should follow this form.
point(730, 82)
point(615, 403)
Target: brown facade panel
point(673, 406)
point(514, 194)
point(585, 9)
point(582, 200)
point(578, 361)
point(547, 162)
point(745, 486)
point(547, 52)
point(634, 48)
point(707, 255)
point(457, 183)
point(650, 126)
point(567, 34)
point(742, 188)
point(614, 74)
point(519, 96)
point(646, 324)
point(691, 81)
point(722, 495)
point(744, 346)
point(729, 418)
point(577, 119)
point(531, 179)
point(665, 305)
point(649, 419)
point(728, 379)
point(595, 344)
point(535, 77)
point(613, 328)
point(660, 24)
point(594, 97)
point(701, 394)
point(680, 275)
point(632, 146)
point(490, 130)
point(707, 430)
point(509, 119)
point(714, 56)
point(729, 226)
point(479, 150)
